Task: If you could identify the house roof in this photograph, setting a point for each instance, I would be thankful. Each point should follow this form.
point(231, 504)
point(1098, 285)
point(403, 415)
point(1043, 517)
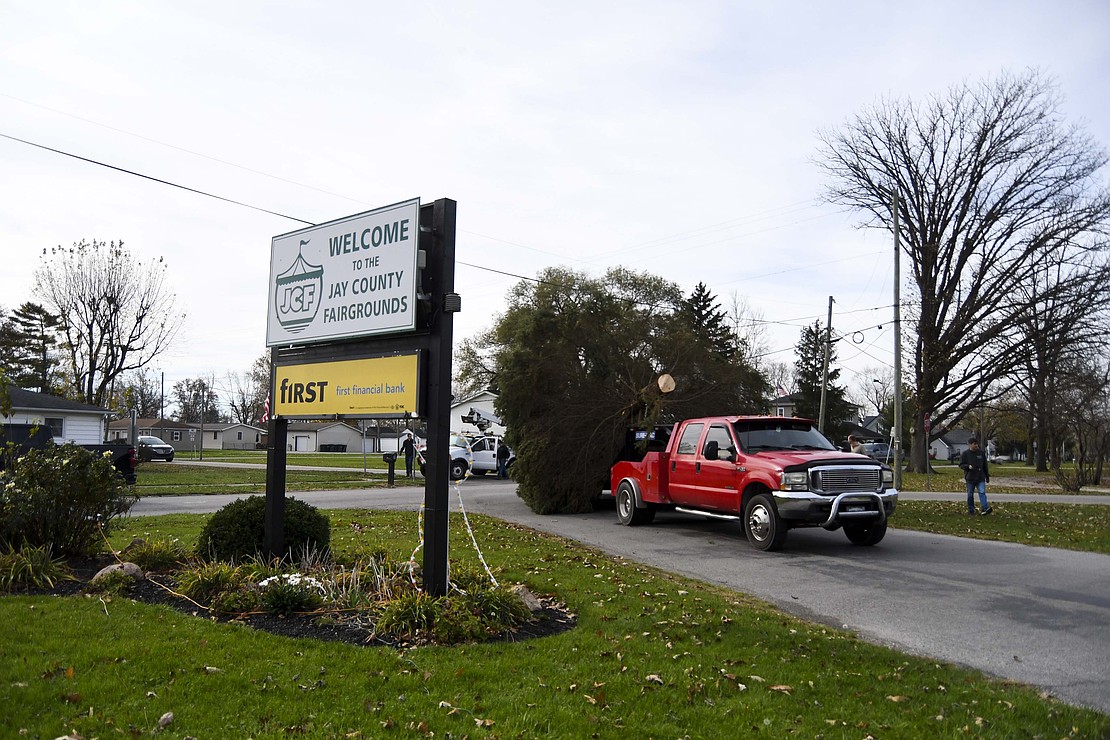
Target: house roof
point(143, 423)
point(315, 426)
point(956, 437)
point(24, 399)
point(863, 433)
point(225, 427)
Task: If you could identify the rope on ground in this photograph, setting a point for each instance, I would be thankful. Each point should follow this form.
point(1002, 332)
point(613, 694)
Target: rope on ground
point(473, 539)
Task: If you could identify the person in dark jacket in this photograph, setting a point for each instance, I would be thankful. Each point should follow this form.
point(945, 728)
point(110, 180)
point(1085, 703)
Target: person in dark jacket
point(977, 475)
point(503, 459)
point(409, 450)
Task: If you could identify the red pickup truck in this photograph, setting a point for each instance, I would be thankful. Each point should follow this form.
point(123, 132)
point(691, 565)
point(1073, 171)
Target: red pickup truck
point(772, 473)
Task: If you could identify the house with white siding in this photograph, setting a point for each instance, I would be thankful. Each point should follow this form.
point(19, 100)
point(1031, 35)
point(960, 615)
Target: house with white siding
point(232, 437)
point(323, 436)
point(481, 402)
point(68, 421)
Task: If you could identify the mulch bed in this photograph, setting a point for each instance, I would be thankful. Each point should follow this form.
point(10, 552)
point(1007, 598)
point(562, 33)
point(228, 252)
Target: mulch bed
point(552, 619)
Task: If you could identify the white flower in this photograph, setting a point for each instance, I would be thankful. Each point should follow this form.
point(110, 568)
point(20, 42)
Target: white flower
point(293, 579)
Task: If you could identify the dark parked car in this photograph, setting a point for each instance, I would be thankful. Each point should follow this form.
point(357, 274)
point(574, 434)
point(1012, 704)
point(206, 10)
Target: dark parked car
point(152, 448)
point(878, 451)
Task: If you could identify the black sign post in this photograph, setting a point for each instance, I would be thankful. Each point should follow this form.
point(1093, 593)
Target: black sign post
point(432, 340)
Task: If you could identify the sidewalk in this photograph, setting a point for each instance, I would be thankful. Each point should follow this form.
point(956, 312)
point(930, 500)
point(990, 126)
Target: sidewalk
point(1047, 498)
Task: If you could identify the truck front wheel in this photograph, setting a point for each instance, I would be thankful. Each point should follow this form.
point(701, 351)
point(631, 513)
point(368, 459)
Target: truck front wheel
point(627, 513)
point(762, 525)
point(865, 534)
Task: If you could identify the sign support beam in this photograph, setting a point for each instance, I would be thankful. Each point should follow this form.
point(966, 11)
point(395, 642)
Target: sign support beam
point(441, 257)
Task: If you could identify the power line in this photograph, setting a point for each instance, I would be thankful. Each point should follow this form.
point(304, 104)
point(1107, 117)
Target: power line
point(154, 179)
point(310, 223)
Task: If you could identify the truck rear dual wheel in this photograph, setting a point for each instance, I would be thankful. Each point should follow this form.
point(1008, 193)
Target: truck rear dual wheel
point(627, 513)
point(762, 524)
point(865, 534)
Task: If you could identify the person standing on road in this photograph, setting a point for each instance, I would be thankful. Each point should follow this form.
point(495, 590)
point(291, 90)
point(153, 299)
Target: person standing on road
point(854, 445)
point(409, 449)
point(502, 459)
point(977, 475)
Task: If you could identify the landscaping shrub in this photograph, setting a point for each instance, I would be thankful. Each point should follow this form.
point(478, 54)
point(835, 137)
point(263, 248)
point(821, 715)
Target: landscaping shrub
point(30, 567)
point(208, 580)
point(60, 496)
point(456, 618)
point(157, 556)
point(291, 593)
point(237, 531)
point(115, 583)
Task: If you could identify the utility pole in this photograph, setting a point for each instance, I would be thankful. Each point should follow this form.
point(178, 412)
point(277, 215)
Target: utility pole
point(825, 371)
point(897, 346)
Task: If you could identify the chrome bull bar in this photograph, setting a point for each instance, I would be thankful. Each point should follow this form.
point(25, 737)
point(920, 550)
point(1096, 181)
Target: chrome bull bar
point(838, 517)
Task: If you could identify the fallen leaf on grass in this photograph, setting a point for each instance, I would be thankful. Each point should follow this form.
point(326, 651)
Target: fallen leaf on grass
point(783, 688)
point(654, 678)
point(898, 699)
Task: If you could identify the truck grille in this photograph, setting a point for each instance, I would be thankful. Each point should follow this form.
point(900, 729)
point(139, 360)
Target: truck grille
point(837, 480)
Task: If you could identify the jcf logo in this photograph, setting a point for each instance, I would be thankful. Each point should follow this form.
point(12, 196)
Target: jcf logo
point(297, 293)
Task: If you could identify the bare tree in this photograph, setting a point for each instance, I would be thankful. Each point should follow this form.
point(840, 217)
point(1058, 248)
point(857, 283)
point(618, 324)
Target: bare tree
point(139, 390)
point(991, 184)
point(749, 328)
point(874, 386)
point(197, 401)
point(1066, 300)
point(1084, 400)
point(246, 392)
point(117, 313)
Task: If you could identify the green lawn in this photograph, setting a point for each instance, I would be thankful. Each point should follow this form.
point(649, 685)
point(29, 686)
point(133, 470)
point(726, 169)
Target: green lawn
point(1068, 526)
point(373, 460)
point(180, 478)
point(653, 655)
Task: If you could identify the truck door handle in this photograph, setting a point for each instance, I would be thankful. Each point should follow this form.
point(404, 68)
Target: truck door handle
point(697, 467)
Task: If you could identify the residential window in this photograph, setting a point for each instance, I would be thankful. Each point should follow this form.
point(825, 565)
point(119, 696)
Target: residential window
point(782, 411)
point(176, 435)
point(239, 436)
point(215, 435)
point(56, 426)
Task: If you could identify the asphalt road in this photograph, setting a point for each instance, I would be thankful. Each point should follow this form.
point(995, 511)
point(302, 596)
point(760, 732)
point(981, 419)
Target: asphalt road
point(1034, 615)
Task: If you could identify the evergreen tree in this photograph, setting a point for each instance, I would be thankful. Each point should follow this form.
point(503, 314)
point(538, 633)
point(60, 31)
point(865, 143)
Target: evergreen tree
point(808, 376)
point(27, 341)
point(708, 321)
point(577, 360)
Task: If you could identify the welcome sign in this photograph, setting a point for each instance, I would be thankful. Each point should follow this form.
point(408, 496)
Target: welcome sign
point(352, 277)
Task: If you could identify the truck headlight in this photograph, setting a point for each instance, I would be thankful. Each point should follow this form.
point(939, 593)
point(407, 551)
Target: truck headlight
point(795, 481)
point(888, 478)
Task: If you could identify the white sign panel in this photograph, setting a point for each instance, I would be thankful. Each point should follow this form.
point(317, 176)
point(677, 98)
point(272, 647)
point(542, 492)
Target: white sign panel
point(352, 277)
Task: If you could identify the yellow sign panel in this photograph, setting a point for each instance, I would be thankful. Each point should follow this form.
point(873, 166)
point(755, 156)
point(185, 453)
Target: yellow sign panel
point(379, 386)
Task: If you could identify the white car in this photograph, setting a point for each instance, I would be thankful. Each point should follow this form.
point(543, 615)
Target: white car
point(461, 458)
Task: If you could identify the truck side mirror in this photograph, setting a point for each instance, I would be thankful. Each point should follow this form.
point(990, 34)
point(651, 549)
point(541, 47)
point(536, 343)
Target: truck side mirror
point(712, 450)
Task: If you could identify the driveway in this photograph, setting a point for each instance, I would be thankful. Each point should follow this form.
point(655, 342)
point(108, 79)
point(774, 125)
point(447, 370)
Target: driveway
point(1028, 614)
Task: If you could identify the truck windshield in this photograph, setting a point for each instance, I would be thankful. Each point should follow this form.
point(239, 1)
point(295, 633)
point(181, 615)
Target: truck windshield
point(756, 436)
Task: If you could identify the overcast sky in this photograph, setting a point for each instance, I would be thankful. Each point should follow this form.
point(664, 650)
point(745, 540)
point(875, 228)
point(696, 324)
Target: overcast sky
point(673, 138)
